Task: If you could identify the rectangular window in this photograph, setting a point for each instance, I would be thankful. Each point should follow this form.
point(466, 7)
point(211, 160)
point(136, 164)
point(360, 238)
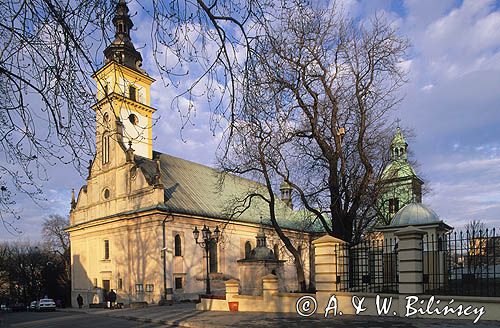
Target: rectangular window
point(106, 249)
point(178, 282)
point(393, 205)
point(132, 91)
point(105, 149)
point(213, 258)
point(150, 288)
point(139, 288)
point(95, 283)
point(120, 283)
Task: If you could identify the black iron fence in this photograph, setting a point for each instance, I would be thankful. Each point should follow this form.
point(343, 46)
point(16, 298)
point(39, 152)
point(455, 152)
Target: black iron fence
point(370, 266)
point(462, 263)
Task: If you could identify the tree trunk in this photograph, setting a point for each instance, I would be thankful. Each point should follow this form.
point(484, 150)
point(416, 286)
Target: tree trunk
point(301, 279)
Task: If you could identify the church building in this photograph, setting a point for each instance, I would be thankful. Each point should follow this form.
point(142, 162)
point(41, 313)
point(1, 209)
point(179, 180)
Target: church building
point(131, 224)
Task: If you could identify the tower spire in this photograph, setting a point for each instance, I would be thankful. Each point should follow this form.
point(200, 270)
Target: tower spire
point(122, 50)
point(399, 146)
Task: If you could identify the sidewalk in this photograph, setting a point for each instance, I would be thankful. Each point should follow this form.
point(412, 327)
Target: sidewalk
point(185, 315)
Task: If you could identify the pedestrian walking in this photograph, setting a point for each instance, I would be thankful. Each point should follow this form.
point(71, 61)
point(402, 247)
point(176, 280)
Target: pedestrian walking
point(112, 298)
point(79, 300)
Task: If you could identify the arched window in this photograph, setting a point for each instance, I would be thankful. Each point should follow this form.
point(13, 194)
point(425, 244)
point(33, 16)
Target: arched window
point(177, 246)
point(105, 148)
point(248, 249)
point(276, 250)
point(213, 258)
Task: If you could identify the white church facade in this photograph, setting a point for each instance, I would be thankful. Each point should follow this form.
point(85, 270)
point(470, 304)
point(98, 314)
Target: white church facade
point(131, 224)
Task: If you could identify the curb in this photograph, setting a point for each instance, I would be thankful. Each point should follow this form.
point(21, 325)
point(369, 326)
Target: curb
point(172, 323)
point(73, 310)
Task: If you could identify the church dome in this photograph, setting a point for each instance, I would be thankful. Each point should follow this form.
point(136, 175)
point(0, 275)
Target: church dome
point(414, 214)
point(261, 253)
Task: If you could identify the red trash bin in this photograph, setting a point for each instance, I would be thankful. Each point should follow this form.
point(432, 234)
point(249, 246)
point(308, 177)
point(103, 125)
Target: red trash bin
point(233, 306)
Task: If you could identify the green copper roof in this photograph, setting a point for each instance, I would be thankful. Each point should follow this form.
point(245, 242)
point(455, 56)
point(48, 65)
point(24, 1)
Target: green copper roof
point(398, 169)
point(196, 189)
point(398, 139)
point(414, 214)
point(285, 185)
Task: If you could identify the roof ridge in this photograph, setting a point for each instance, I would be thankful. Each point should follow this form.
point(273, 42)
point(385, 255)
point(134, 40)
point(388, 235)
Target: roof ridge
point(211, 168)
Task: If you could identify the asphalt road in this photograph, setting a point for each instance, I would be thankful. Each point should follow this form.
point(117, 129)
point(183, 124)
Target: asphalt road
point(66, 319)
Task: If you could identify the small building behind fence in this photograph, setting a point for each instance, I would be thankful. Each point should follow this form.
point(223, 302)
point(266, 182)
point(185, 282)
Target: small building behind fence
point(258, 263)
point(435, 236)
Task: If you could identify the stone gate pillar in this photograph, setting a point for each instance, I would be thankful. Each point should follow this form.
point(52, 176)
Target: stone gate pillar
point(410, 260)
point(326, 266)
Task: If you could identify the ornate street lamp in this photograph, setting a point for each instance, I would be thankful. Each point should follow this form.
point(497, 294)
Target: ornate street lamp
point(207, 242)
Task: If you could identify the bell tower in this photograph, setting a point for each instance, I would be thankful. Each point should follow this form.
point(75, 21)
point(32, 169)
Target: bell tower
point(123, 93)
point(400, 185)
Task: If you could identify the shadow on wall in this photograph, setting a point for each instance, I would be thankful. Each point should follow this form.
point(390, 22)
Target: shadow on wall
point(82, 285)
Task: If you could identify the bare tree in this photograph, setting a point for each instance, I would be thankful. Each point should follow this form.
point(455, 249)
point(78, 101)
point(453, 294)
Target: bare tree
point(54, 235)
point(28, 273)
point(475, 226)
point(57, 241)
point(328, 85)
point(49, 50)
point(254, 152)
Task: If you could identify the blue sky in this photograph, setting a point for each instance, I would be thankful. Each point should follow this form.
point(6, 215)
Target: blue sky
point(452, 102)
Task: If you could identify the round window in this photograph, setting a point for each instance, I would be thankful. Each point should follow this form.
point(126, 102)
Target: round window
point(106, 193)
point(133, 119)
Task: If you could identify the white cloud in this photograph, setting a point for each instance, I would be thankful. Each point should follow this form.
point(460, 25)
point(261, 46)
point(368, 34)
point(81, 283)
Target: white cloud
point(428, 87)
point(462, 41)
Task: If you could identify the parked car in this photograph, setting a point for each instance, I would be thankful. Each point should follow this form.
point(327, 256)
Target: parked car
point(32, 306)
point(46, 304)
point(18, 307)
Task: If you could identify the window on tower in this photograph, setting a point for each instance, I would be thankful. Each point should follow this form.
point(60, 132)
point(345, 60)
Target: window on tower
point(133, 119)
point(105, 148)
point(132, 91)
point(393, 205)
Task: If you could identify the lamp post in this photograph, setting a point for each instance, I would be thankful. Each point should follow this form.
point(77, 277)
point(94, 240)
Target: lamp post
point(207, 242)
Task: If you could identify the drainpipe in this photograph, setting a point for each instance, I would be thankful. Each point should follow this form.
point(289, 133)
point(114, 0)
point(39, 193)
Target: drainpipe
point(167, 297)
